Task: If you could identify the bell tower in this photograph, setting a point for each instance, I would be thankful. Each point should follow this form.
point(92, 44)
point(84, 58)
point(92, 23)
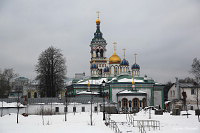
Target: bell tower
point(98, 50)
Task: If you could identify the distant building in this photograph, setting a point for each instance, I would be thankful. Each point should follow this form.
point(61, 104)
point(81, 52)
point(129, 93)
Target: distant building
point(175, 95)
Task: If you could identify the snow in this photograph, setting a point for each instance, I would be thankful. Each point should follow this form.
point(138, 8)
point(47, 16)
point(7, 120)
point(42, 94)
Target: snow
point(87, 92)
point(129, 80)
point(10, 105)
point(129, 91)
point(80, 122)
point(98, 82)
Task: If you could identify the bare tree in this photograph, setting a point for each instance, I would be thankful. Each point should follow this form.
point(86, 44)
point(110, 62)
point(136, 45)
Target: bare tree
point(5, 81)
point(51, 71)
point(195, 70)
point(5, 84)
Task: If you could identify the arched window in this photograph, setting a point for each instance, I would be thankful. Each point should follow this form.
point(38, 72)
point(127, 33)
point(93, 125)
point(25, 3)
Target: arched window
point(101, 53)
point(29, 94)
point(97, 53)
point(135, 102)
point(144, 102)
point(35, 94)
point(124, 103)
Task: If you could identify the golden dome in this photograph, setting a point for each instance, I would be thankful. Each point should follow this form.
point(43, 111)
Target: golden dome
point(114, 59)
point(98, 21)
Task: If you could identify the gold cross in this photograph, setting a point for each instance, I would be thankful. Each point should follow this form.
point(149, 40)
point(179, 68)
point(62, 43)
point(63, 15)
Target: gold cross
point(98, 12)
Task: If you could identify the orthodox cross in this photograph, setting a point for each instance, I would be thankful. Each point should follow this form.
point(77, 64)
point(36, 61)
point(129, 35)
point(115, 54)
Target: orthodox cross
point(114, 46)
point(135, 56)
point(124, 52)
point(98, 12)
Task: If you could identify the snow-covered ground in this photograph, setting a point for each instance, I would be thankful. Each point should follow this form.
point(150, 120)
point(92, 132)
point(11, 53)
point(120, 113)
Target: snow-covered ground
point(80, 123)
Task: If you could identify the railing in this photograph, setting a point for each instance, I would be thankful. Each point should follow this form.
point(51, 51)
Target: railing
point(112, 124)
point(141, 124)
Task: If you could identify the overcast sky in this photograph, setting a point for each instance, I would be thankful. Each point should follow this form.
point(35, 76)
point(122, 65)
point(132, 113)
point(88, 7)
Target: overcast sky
point(164, 33)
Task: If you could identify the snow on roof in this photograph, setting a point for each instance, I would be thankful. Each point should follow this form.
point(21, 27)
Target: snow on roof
point(98, 81)
point(129, 80)
point(11, 105)
point(88, 92)
point(129, 91)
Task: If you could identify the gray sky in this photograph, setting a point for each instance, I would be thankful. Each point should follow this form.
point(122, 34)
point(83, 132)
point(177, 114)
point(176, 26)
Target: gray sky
point(164, 33)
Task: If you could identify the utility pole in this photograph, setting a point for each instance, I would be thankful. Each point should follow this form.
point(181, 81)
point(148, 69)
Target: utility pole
point(18, 105)
point(66, 105)
point(103, 86)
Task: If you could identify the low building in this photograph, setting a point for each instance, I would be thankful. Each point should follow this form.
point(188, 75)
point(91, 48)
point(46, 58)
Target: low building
point(178, 90)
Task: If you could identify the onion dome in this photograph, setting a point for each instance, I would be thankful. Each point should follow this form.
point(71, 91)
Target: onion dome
point(106, 69)
point(135, 66)
point(124, 63)
point(114, 59)
point(98, 21)
point(93, 66)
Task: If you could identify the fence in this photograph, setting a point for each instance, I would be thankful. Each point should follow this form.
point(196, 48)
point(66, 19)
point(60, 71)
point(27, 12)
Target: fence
point(112, 124)
point(141, 124)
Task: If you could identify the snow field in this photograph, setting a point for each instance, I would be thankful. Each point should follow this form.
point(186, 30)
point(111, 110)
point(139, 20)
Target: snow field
point(80, 123)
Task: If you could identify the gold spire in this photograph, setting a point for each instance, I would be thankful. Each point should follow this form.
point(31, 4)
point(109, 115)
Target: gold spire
point(133, 82)
point(124, 52)
point(98, 20)
point(88, 83)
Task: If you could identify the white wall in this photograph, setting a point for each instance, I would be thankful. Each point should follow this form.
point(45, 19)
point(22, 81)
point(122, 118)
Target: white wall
point(158, 98)
point(36, 108)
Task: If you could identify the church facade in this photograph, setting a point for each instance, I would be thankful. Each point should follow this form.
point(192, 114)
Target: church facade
point(123, 84)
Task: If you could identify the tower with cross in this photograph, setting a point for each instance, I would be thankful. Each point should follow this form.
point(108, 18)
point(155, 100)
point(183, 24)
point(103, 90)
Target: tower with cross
point(124, 65)
point(135, 68)
point(98, 44)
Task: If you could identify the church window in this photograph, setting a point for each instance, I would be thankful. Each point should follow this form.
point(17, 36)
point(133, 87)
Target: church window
point(144, 101)
point(74, 109)
point(135, 102)
point(83, 109)
point(35, 94)
point(97, 53)
point(57, 109)
point(29, 94)
point(124, 103)
point(101, 53)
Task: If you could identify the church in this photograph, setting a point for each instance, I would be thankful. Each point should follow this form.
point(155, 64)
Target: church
point(114, 79)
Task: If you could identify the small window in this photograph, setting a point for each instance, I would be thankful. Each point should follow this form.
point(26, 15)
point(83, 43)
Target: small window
point(29, 94)
point(173, 92)
point(95, 108)
point(83, 109)
point(191, 107)
point(66, 109)
point(192, 91)
point(57, 109)
point(74, 109)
